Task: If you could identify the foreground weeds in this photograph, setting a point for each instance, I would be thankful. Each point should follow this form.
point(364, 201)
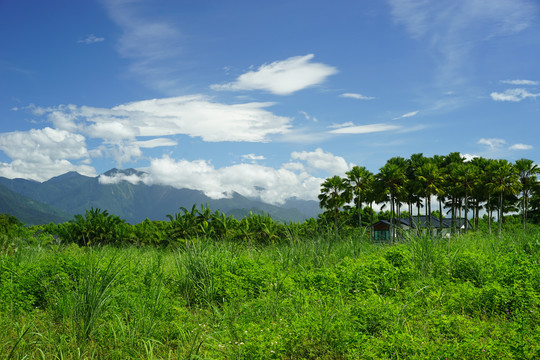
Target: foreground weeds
point(474, 296)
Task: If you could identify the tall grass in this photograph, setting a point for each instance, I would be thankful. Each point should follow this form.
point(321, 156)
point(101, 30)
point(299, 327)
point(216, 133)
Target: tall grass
point(472, 296)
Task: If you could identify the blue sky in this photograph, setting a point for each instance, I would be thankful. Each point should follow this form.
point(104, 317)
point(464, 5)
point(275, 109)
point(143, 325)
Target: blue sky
point(263, 98)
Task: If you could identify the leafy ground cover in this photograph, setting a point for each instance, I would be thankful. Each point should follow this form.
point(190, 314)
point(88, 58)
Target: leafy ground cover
point(475, 296)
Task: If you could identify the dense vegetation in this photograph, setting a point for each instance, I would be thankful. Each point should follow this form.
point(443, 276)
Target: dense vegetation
point(204, 285)
point(300, 294)
point(460, 187)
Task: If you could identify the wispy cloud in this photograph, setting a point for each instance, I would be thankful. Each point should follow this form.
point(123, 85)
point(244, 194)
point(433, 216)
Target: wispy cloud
point(282, 77)
point(499, 146)
point(153, 44)
point(514, 95)
point(453, 28)
point(356, 96)
point(253, 157)
point(520, 147)
point(308, 117)
point(520, 82)
point(365, 129)
point(91, 39)
point(492, 143)
point(407, 115)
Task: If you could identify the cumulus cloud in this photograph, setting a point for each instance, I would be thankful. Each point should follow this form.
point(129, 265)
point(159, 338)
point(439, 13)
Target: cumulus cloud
point(270, 185)
point(513, 95)
point(356, 96)
point(365, 129)
point(468, 157)
point(134, 179)
point(321, 160)
point(91, 39)
point(282, 77)
point(520, 82)
point(42, 154)
point(520, 147)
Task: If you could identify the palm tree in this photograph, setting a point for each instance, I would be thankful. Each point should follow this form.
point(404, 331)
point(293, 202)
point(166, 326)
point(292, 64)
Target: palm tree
point(358, 180)
point(334, 194)
point(391, 180)
point(431, 181)
point(466, 176)
point(505, 181)
point(452, 161)
point(527, 171)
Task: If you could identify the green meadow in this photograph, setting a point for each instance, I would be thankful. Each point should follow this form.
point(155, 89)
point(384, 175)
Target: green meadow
point(317, 296)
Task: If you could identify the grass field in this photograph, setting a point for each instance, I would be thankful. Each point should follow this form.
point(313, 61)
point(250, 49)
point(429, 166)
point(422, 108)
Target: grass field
point(476, 297)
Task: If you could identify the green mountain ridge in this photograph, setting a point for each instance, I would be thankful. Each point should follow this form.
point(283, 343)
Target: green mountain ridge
point(73, 193)
point(28, 210)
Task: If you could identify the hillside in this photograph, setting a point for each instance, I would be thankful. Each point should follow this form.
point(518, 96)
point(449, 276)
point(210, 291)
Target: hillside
point(27, 210)
point(73, 193)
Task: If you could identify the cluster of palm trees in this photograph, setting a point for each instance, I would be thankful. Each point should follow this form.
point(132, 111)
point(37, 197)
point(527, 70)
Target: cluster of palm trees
point(460, 187)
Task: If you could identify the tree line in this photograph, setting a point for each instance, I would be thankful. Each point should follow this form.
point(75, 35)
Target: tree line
point(461, 189)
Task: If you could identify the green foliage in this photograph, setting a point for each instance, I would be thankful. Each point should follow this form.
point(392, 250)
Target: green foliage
point(250, 296)
point(96, 227)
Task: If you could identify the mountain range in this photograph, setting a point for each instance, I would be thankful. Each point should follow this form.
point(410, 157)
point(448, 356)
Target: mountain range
point(60, 198)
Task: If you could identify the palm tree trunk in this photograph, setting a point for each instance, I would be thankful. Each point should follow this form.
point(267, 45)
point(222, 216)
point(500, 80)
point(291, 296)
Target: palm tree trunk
point(371, 221)
point(500, 213)
point(392, 218)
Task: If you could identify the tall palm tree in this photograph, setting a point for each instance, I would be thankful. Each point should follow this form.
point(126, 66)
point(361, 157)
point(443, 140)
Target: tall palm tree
point(358, 180)
point(334, 194)
point(430, 178)
point(451, 161)
point(505, 181)
point(527, 171)
point(413, 185)
point(466, 176)
point(391, 182)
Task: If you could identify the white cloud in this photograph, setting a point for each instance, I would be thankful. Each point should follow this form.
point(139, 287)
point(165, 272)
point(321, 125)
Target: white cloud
point(468, 157)
point(365, 129)
point(282, 77)
point(47, 142)
point(407, 115)
point(321, 160)
point(520, 82)
point(253, 180)
point(342, 125)
point(520, 147)
point(194, 115)
point(117, 178)
point(153, 143)
point(253, 157)
point(454, 28)
point(42, 154)
point(356, 96)
point(91, 39)
point(513, 95)
point(153, 44)
point(492, 143)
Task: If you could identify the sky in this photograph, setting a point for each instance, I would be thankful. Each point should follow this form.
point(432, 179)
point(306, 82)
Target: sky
point(266, 99)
